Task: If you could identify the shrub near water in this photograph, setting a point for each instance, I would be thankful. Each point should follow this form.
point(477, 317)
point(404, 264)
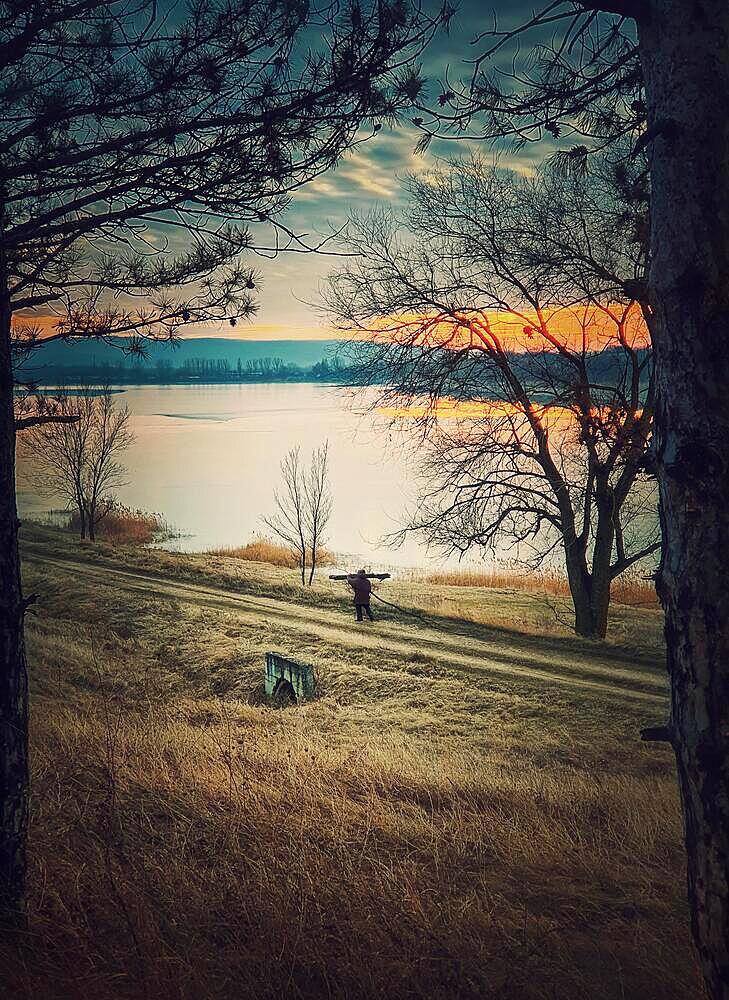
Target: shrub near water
point(262, 549)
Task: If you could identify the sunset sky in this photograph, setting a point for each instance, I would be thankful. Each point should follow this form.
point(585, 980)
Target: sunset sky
point(367, 177)
point(370, 175)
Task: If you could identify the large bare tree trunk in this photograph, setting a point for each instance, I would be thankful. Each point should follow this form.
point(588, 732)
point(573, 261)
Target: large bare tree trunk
point(590, 594)
point(590, 590)
point(579, 583)
point(13, 674)
point(602, 555)
point(685, 52)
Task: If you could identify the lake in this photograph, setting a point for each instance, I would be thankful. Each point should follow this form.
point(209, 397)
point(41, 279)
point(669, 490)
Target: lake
point(207, 458)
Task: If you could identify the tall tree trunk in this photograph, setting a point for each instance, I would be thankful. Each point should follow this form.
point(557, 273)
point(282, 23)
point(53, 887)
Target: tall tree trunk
point(13, 673)
point(600, 600)
point(602, 554)
point(590, 594)
point(685, 53)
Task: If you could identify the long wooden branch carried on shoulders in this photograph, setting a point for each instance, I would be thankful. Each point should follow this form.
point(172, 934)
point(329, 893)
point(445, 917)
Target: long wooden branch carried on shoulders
point(350, 576)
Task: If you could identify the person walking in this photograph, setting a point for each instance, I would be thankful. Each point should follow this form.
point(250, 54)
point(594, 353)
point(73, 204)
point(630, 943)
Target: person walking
point(362, 589)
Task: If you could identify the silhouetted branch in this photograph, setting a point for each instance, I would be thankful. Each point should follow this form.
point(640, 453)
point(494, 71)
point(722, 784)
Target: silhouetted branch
point(23, 423)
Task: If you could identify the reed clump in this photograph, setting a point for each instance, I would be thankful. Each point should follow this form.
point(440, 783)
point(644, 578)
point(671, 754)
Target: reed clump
point(122, 525)
point(266, 550)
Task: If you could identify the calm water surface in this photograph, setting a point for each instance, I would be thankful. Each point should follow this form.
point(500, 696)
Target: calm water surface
point(207, 458)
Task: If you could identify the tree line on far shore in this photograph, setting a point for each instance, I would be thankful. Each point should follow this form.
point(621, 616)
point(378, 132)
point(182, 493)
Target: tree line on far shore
point(135, 370)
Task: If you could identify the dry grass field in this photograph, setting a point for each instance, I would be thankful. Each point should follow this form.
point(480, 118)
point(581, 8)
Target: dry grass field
point(465, 811)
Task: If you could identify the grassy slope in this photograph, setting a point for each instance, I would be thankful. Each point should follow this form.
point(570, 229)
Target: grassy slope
point(424, 829)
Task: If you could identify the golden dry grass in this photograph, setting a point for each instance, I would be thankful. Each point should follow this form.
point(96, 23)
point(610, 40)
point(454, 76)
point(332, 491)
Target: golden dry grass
point(411, 833)
point(262, 549)
point(629, 589)
point(211, 851)
point(635, 629)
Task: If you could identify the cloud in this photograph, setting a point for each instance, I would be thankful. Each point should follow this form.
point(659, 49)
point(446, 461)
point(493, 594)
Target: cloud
point(370, 172)
point(364, 179)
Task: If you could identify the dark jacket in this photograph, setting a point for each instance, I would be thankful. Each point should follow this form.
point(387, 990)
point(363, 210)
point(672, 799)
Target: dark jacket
point(362, 589)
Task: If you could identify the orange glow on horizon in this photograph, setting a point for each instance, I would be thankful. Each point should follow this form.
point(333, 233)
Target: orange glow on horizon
point(593, 327)
point(448, 408)
point(590, 328)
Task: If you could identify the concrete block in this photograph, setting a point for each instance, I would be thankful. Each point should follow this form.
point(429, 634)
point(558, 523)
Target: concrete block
point(286, 677)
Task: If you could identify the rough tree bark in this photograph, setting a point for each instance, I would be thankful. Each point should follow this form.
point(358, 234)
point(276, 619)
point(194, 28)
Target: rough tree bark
point(685, 54)
point(602, 555)
point(13, 673)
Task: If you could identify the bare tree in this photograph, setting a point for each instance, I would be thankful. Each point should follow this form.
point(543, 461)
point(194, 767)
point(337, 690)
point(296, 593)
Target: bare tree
point(82, 454)
point(515, 291)
point(139, 143)
point(319, 502)
point(57, 451)
point(288, 521)
point(77, 460)
point(110, 435)
point(303, 508)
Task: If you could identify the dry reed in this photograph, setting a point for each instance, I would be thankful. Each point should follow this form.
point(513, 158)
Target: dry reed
point(634, 590)
point(262, 549)
point(122, 525)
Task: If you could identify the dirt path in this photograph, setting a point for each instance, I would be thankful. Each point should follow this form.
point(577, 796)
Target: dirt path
point(452, 646)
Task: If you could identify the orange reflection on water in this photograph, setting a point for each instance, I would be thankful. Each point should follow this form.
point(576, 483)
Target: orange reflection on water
point(550, 416)
point(448, 408)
